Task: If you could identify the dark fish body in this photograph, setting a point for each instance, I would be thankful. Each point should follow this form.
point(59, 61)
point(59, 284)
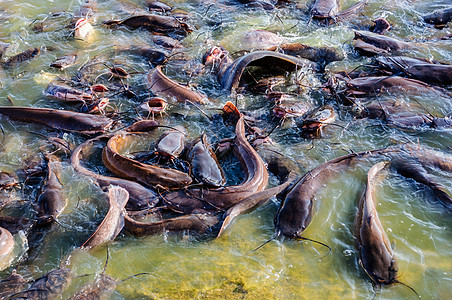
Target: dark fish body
point(295, 212)
point(429, 157)
point(274, 61)
point(417, 69)
point(21, 57)
point(102, 286)
point(155, 56)
point(194, 222)
point(135, 170)
point(155, 23)
point(431, 73)
point(379, 44)
point(399, 115)
point(58, 119)
point(64, 61)
point(139, 196)
point(324, 9)
point(376, 256)
point(164, 87)
point(256, 178)
point(158, 6)
point(322, 55)
point(143, 126)
point(166, 42)
point(172, 143)
point(204, 163)
point(252, 202)
point(375, 84)
point(409, 168)
point(51, 201)
point(397, 64)
point(66, 93)
point(113, 222)
point(380, 26)
point(439, 18)
point(49, 286)
point(15, 224)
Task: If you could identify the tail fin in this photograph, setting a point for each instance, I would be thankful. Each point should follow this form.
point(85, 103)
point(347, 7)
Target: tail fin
point(119, 194)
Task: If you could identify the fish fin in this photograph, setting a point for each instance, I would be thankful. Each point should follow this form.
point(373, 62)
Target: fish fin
point(120, 194)
point(226, 222)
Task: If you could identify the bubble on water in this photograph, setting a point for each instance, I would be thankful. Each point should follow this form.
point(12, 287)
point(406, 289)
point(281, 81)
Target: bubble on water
point(348, 252)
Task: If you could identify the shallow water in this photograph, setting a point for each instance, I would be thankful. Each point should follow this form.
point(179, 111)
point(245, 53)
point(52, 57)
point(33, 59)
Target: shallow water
point(186, 266)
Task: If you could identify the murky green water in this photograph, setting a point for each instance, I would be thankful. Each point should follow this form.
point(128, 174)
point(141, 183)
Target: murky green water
point(183, 266)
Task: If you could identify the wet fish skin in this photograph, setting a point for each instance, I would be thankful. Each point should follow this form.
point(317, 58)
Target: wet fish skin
point(376, 255)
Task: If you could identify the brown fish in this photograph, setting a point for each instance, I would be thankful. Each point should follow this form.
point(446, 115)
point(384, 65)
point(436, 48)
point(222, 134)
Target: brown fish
point(143, 173)
point(398, 115)
point(252, 202)
point(113, 222)
point(139, 196)
point(324, 9)
point(171, 143)
point(51, 201)
point(195, 222)
point(66, 93)
point(229, 71)
point(49, 286)
point(256, 178)
point(204, 163)
point(295, 213)
point(155, 23)
point(376, 256)
point(379, 44)
point(321, 55)
point(65, 61)
point(21, 57)
point(162, 86)
point(410, 168)
point(143, 126)
point(58, 119)
point(364, 86)
point(429, 157)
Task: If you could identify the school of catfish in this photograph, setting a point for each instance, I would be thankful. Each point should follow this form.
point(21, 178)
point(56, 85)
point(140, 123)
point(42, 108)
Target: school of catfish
point(179, 184)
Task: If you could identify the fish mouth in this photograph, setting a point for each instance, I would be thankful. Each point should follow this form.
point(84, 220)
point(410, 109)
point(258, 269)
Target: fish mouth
point(214, 54)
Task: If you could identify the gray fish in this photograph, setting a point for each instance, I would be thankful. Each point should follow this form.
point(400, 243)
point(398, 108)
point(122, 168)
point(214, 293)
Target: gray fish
point(113, 221)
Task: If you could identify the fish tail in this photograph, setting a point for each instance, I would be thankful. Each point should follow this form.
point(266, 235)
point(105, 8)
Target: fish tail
point(120, 195)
